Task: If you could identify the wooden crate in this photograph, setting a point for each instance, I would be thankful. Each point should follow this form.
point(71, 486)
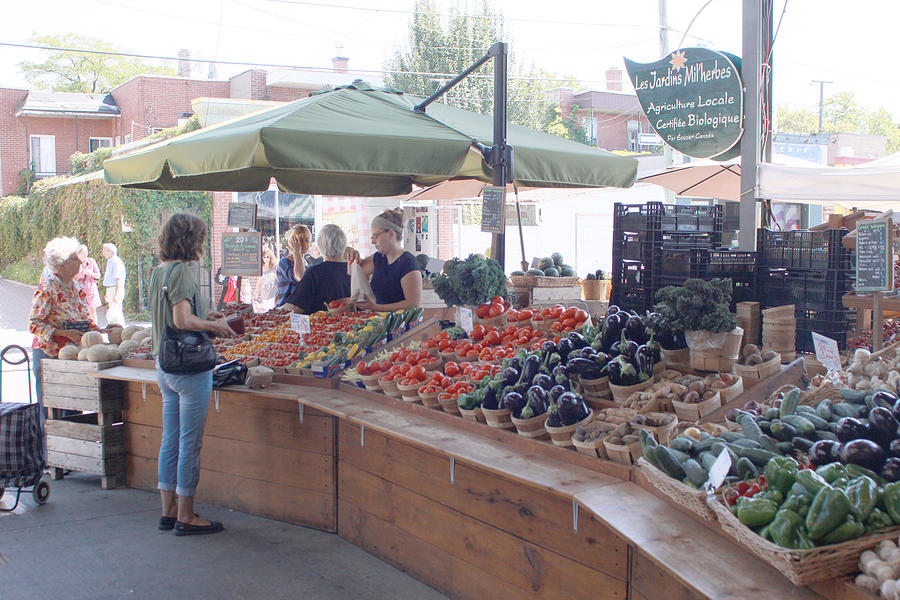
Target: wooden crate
point(91, 442)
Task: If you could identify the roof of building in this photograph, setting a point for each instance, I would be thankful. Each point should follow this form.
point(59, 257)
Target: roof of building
point(609, 100)
point(784, 137)
point(37, 102)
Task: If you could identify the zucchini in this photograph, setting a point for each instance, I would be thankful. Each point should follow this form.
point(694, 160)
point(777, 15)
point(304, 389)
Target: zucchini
point(803, 425)
point(668, 463)
point(853, 396)
point(682, 443)
point(823, 409)
point(746, 469)
point(695, 473)
point(789, 403)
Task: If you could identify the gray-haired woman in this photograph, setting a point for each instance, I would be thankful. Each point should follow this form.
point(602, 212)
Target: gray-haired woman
point(326, 281)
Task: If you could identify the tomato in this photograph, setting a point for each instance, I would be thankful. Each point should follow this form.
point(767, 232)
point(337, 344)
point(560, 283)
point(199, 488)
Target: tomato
point(443, 345)
point(569, 312)
point(362, 368)
point(556, 310)
point(477, 332)
point(403, 368)
point(445, 396)
point(558, 326)
point(568, 323)
point(483, 310)
point(384, 366)
point(492, 339)
point(526, 314)
point(495, 310)
point(510, 330)
point(581, 316)
point(451, 369)
point(537, 317)
point(485, 355)
point(537, 345)
point(471, 353)
point(511, 317)
point(386, 378)
point(464, 347)
point(444, 335)
point(431, 343)
point(417, 372)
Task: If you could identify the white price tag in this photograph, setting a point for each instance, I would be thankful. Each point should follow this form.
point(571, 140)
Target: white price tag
point(827, 352)
point(300, 323)
point(718, 472)
point(465, 319)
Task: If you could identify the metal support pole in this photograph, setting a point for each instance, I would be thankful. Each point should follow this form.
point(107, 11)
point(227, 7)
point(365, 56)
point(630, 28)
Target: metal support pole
point(502, 170)
point(821, 99)
point(668, 195)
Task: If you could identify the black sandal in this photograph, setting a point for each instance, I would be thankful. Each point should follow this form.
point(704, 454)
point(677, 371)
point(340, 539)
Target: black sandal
point(188, 529)
point(167, 523)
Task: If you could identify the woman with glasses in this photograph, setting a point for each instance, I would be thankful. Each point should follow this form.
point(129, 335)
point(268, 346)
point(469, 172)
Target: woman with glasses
point(396, 278)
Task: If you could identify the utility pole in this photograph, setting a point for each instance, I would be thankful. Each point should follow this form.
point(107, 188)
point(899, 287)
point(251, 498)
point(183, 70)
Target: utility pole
point(663, 51)
point(821, 99)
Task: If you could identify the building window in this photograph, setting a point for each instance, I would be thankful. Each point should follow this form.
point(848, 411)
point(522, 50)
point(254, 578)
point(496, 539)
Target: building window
point(128, 138)
point(591, 127)
point(96, 143)
point(634, 135)
point(292, 209)
point(43, 155)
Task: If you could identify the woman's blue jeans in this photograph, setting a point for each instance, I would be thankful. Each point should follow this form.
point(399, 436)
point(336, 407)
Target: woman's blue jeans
point(184, 409)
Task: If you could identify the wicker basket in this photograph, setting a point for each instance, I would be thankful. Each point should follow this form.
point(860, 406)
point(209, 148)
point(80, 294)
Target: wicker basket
point(680, 360)
point(664, 433)
point(499, 418)
point(594, 448)
point(732, 391)
point(555, 282)
point(409, 393)
point(475, 415)
point(429, 399)
point(802, 567)
point(451, 407)
point(543, 325)
point(498, 321)
point(390, 388)
point(595, 289)
point(756, 373)
point(532, 428)
point(597, 389)
point(719, 359)
point(435, 364)
point(523, 280)
point(675, 492)
point(620, 393)
point(695, 412)
point(371, 382)
point(624, 454)
point(562, 436)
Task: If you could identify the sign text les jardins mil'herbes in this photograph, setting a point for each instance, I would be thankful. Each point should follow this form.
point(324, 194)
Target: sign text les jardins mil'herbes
point(694, 100)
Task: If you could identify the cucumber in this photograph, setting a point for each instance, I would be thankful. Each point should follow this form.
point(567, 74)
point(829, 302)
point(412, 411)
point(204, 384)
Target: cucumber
point(745, 443)
point(785, 447)
point(765, 426)
point(679, 455)
point(802, 444)
point(756, 456)
point(826, 435)
point(707, 460)
point(746, 469)
point(731, 436)
point(823, 409)
point(695, 473)
point(705, 443)
point(789, 403)
point(717, 450)
point(803, 425)
point(804, 410)
point(768, 443)
point(782, 431)
point(682, 443)
point(817, 421)
point(844, 409)
point(853, 396)
point(772, 413)
point(668, 463)
point(749, 426)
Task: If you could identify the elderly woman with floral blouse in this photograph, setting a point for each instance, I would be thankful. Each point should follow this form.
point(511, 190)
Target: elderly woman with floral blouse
point(58, 306)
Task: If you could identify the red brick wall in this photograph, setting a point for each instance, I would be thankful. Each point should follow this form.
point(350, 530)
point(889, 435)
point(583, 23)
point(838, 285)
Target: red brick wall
point(13, 144)
point(65, 130)
point(285, 94)
point(445, 230)
point(219, 219)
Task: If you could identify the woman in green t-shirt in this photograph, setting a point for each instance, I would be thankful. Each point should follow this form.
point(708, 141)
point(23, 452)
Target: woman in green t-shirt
point(185, 397)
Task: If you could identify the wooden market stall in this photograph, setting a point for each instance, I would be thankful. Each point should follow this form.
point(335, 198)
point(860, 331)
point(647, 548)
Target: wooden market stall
point(472, 511)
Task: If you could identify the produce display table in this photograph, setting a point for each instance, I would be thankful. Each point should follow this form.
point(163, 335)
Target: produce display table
point(471, 511)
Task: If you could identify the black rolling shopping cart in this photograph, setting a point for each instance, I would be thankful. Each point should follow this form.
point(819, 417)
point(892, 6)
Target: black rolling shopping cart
point(21, 440)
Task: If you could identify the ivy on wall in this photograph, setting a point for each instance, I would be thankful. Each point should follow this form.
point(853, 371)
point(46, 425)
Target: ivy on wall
point(95, 213)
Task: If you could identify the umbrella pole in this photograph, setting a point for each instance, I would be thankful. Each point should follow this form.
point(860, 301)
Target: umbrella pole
point(503, 167)
point(524, 263)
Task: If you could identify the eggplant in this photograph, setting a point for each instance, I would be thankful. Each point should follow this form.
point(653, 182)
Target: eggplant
point(613, 309)
point(578, 340)
point(890, 471)
point(549, 347)
point(514, 401)
point(571, 409)
point(849, 429)
point(538, 399)
point(615, 371)
point(556, 391)
point(564, 347)
point(516, 363)
point(509, 376)
point(584, 367)
point(601, 358)
point(882, 425)
point(823, 452)
point(896, 409)
point(883, 399)
point(490, 399)
point(612, 331)
point(894, 448)
point(654, 347)
point(560, 374)
point(553, 419)
point(864, 453)
point(530, 368)
point(635, 330)
point(587, 352)
point(645, 359)
point(543, 380)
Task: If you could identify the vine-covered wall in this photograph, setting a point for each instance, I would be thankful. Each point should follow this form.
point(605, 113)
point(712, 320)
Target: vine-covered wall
point(93, 212)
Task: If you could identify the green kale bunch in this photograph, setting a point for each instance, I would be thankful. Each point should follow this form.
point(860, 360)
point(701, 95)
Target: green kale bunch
point(470, 282)
point(697, 305)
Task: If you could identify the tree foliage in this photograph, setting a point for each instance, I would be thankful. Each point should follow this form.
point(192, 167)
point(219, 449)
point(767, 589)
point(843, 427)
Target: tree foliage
point(86, 73)
point(841, 113)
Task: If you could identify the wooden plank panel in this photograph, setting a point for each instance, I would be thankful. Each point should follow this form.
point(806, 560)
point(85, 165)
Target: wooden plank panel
point(81, 431)
point(78, 366)
point(54, 400)
point(84, 448)
point(97, 466)
point(283, 466)
point(652, 582)
point(236, 399)
point(246, 422)
point(79, 379)
point(265, 499)
point(515, 561)
point(535, 515)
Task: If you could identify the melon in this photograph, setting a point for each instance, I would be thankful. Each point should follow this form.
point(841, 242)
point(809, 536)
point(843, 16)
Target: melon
point(557, 259)
point(91, 338)
point(536, 272)
point(567, 271)
point(98, 353)
point(517, 273)
point(551, 272)
point(127, 346)
point(113, 352)
point(141, 335)
point(68, 352)
point(545, 263)
point(82, 354)
point(114, 333)
point(130, 331)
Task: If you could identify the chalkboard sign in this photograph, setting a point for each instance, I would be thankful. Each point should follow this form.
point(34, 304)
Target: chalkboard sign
point(242, 215)
point(493, 209)
point(874, 264)
point(242, 253)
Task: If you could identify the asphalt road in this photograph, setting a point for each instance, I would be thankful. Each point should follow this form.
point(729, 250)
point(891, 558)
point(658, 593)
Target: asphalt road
point(15, 306)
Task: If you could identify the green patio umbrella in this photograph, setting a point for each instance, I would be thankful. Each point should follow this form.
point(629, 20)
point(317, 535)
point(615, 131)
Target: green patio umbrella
point(358, 140)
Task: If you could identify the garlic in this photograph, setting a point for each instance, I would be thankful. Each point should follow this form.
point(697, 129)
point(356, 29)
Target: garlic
point(864, 384)
point(889, 589)
point(883, 572)
point(883, 547)
point(868, 583)
point(861, 355)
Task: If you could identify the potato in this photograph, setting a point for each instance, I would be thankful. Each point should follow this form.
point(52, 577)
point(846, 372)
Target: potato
point(749, 350)
point(754, 359)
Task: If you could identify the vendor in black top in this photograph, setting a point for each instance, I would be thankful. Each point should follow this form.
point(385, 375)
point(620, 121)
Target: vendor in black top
point(327, 280)
point(396, 278)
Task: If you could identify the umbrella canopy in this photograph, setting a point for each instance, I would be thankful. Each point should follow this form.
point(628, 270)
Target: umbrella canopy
point(456, 189)
point(720, 181)
point(359, 140)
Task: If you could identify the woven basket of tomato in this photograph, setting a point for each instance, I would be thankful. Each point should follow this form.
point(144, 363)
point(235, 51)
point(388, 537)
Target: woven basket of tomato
point(493, 312)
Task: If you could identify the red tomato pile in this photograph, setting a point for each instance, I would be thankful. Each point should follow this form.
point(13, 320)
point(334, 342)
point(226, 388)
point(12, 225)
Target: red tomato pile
point(516, 316)
point(564, 319)
point(496, 307)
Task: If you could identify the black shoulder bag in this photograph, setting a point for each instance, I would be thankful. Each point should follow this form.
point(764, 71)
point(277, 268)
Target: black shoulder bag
point(184, 352)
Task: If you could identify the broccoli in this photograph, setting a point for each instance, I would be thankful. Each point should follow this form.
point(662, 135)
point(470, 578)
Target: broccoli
point(472, 281)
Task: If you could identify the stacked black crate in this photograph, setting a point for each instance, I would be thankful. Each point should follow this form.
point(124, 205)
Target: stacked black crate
point(653, 245)
point(811, 270)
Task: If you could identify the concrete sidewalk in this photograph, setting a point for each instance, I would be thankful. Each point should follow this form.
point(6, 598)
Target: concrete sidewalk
point(94, 544)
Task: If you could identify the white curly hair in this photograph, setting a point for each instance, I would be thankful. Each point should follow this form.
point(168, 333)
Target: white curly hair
point(59, 250)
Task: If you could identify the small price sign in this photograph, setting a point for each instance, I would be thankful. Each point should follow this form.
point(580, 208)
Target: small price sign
point(300, 323)
point(465, 319)
point(827, 352)
point(718, 472)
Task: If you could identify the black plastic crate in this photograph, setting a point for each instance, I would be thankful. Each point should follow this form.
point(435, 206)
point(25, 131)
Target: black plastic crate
point(837, 325)
point(820, 291)
point(633, 246)
point(709, 264)
point(803, 249)
point(632, 286)
point(656, 216)
point(677, 240)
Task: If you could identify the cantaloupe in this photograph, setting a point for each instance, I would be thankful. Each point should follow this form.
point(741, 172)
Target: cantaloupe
point(114, 333)
point(127, 346)
point(98, 353)
point(91, 338)
point(82, 354)
point(140, 336)
point(112, 351)
point(130, 331)
point(68, 352)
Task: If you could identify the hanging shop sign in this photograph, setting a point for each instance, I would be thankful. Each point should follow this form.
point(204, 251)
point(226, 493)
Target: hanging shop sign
point(242, 253)
point(694, 100)
point(874, 258)
point(493, 209)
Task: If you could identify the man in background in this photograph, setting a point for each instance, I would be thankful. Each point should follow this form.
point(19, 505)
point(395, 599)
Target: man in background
point(114, 281)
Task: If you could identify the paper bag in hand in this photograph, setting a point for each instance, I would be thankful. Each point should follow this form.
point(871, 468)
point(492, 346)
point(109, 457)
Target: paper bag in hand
point(360, 290)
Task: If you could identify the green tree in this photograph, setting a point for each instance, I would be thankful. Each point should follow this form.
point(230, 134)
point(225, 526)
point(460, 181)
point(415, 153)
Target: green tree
point(564, 126)
point(440, 47)
point(64, 71)
point(841, 113)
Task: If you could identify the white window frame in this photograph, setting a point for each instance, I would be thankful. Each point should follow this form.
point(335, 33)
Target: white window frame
point(38, 166)
point(108, 140)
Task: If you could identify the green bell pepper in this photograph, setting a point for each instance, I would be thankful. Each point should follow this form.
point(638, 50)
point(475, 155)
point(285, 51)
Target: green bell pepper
point(832, 471)
point(854, 471)
point(774, 495)
point(848, 529)
point(840, 483)
point(780, 473)
point(787, 530)
point(878, 519)
point(811, 481)
point(863, 495)
point(798, 503)
point(756, 512)
point(829, 509)
point(891, 500)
